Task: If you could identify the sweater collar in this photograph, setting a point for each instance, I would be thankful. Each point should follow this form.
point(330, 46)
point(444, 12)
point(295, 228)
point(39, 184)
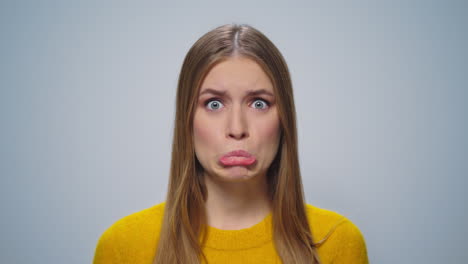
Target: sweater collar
point(250, 237)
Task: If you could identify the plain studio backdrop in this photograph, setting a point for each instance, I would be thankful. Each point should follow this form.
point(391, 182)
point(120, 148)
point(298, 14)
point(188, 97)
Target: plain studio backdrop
point(87, 105)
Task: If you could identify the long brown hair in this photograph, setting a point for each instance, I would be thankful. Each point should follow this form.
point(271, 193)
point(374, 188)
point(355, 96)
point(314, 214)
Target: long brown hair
point(184, 223)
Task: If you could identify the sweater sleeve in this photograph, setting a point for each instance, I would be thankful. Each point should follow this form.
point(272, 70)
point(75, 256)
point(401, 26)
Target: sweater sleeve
point(106, 251)
point(351, 246)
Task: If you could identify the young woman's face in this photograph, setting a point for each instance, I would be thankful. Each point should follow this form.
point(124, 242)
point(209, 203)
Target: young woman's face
point(230, 117)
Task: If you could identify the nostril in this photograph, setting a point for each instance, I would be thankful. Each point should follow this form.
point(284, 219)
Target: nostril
point(238, 135)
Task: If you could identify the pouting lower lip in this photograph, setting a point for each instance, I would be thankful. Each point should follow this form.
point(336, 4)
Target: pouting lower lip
point(236, 160)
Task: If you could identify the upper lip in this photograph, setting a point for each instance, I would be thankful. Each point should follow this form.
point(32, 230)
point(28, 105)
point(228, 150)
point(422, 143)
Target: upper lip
point(238, 153)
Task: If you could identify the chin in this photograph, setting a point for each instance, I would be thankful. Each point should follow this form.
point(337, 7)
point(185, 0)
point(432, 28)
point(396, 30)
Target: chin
point(237, 174)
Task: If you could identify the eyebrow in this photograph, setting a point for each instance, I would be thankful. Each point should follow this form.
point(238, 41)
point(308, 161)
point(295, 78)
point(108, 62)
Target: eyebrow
point(249, 92)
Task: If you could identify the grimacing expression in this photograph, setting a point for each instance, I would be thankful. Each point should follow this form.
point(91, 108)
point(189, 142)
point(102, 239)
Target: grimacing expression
point(236, 110)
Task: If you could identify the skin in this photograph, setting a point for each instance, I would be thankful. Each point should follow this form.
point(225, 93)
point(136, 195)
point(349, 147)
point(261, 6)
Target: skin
point(237, 195)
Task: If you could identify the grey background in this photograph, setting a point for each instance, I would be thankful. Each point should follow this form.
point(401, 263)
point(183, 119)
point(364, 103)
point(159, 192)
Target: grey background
point(87, 103)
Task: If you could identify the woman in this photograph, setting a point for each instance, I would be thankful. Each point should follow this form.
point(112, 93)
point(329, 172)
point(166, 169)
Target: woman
point(235, 193)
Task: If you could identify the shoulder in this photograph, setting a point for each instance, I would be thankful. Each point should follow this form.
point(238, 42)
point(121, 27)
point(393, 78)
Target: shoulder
point(136, 220)
point(339, 237)
point(138, 228)
point(323, 221)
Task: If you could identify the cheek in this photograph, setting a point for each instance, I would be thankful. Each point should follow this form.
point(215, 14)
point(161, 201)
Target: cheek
point(203, 132)
point(268, 136)
point(270, 129)
point(273, 129)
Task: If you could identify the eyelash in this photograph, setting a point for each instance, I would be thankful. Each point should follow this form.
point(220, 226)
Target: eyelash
point(219, 99)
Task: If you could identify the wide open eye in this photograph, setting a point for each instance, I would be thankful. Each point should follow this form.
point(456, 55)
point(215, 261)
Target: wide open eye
point(260, 103)
point(213, 104)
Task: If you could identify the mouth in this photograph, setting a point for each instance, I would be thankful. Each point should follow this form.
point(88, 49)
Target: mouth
point(237, 158)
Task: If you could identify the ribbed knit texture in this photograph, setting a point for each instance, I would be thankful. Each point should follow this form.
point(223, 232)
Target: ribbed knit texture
point(134, 238)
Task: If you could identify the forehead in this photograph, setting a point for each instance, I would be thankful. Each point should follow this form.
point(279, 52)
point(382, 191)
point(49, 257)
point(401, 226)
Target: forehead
point(237, 74)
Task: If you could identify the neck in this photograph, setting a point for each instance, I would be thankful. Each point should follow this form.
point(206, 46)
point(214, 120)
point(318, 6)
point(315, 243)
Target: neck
point(236, 205)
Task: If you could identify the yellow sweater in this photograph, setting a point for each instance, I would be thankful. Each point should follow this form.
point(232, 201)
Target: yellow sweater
point(133, 239)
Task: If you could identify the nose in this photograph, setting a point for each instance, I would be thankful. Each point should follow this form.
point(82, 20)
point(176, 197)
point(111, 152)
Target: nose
point(237, 127)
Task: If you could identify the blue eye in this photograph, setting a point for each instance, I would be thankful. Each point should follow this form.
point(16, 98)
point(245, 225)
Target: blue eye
point(260, 102)
point(214, 103)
